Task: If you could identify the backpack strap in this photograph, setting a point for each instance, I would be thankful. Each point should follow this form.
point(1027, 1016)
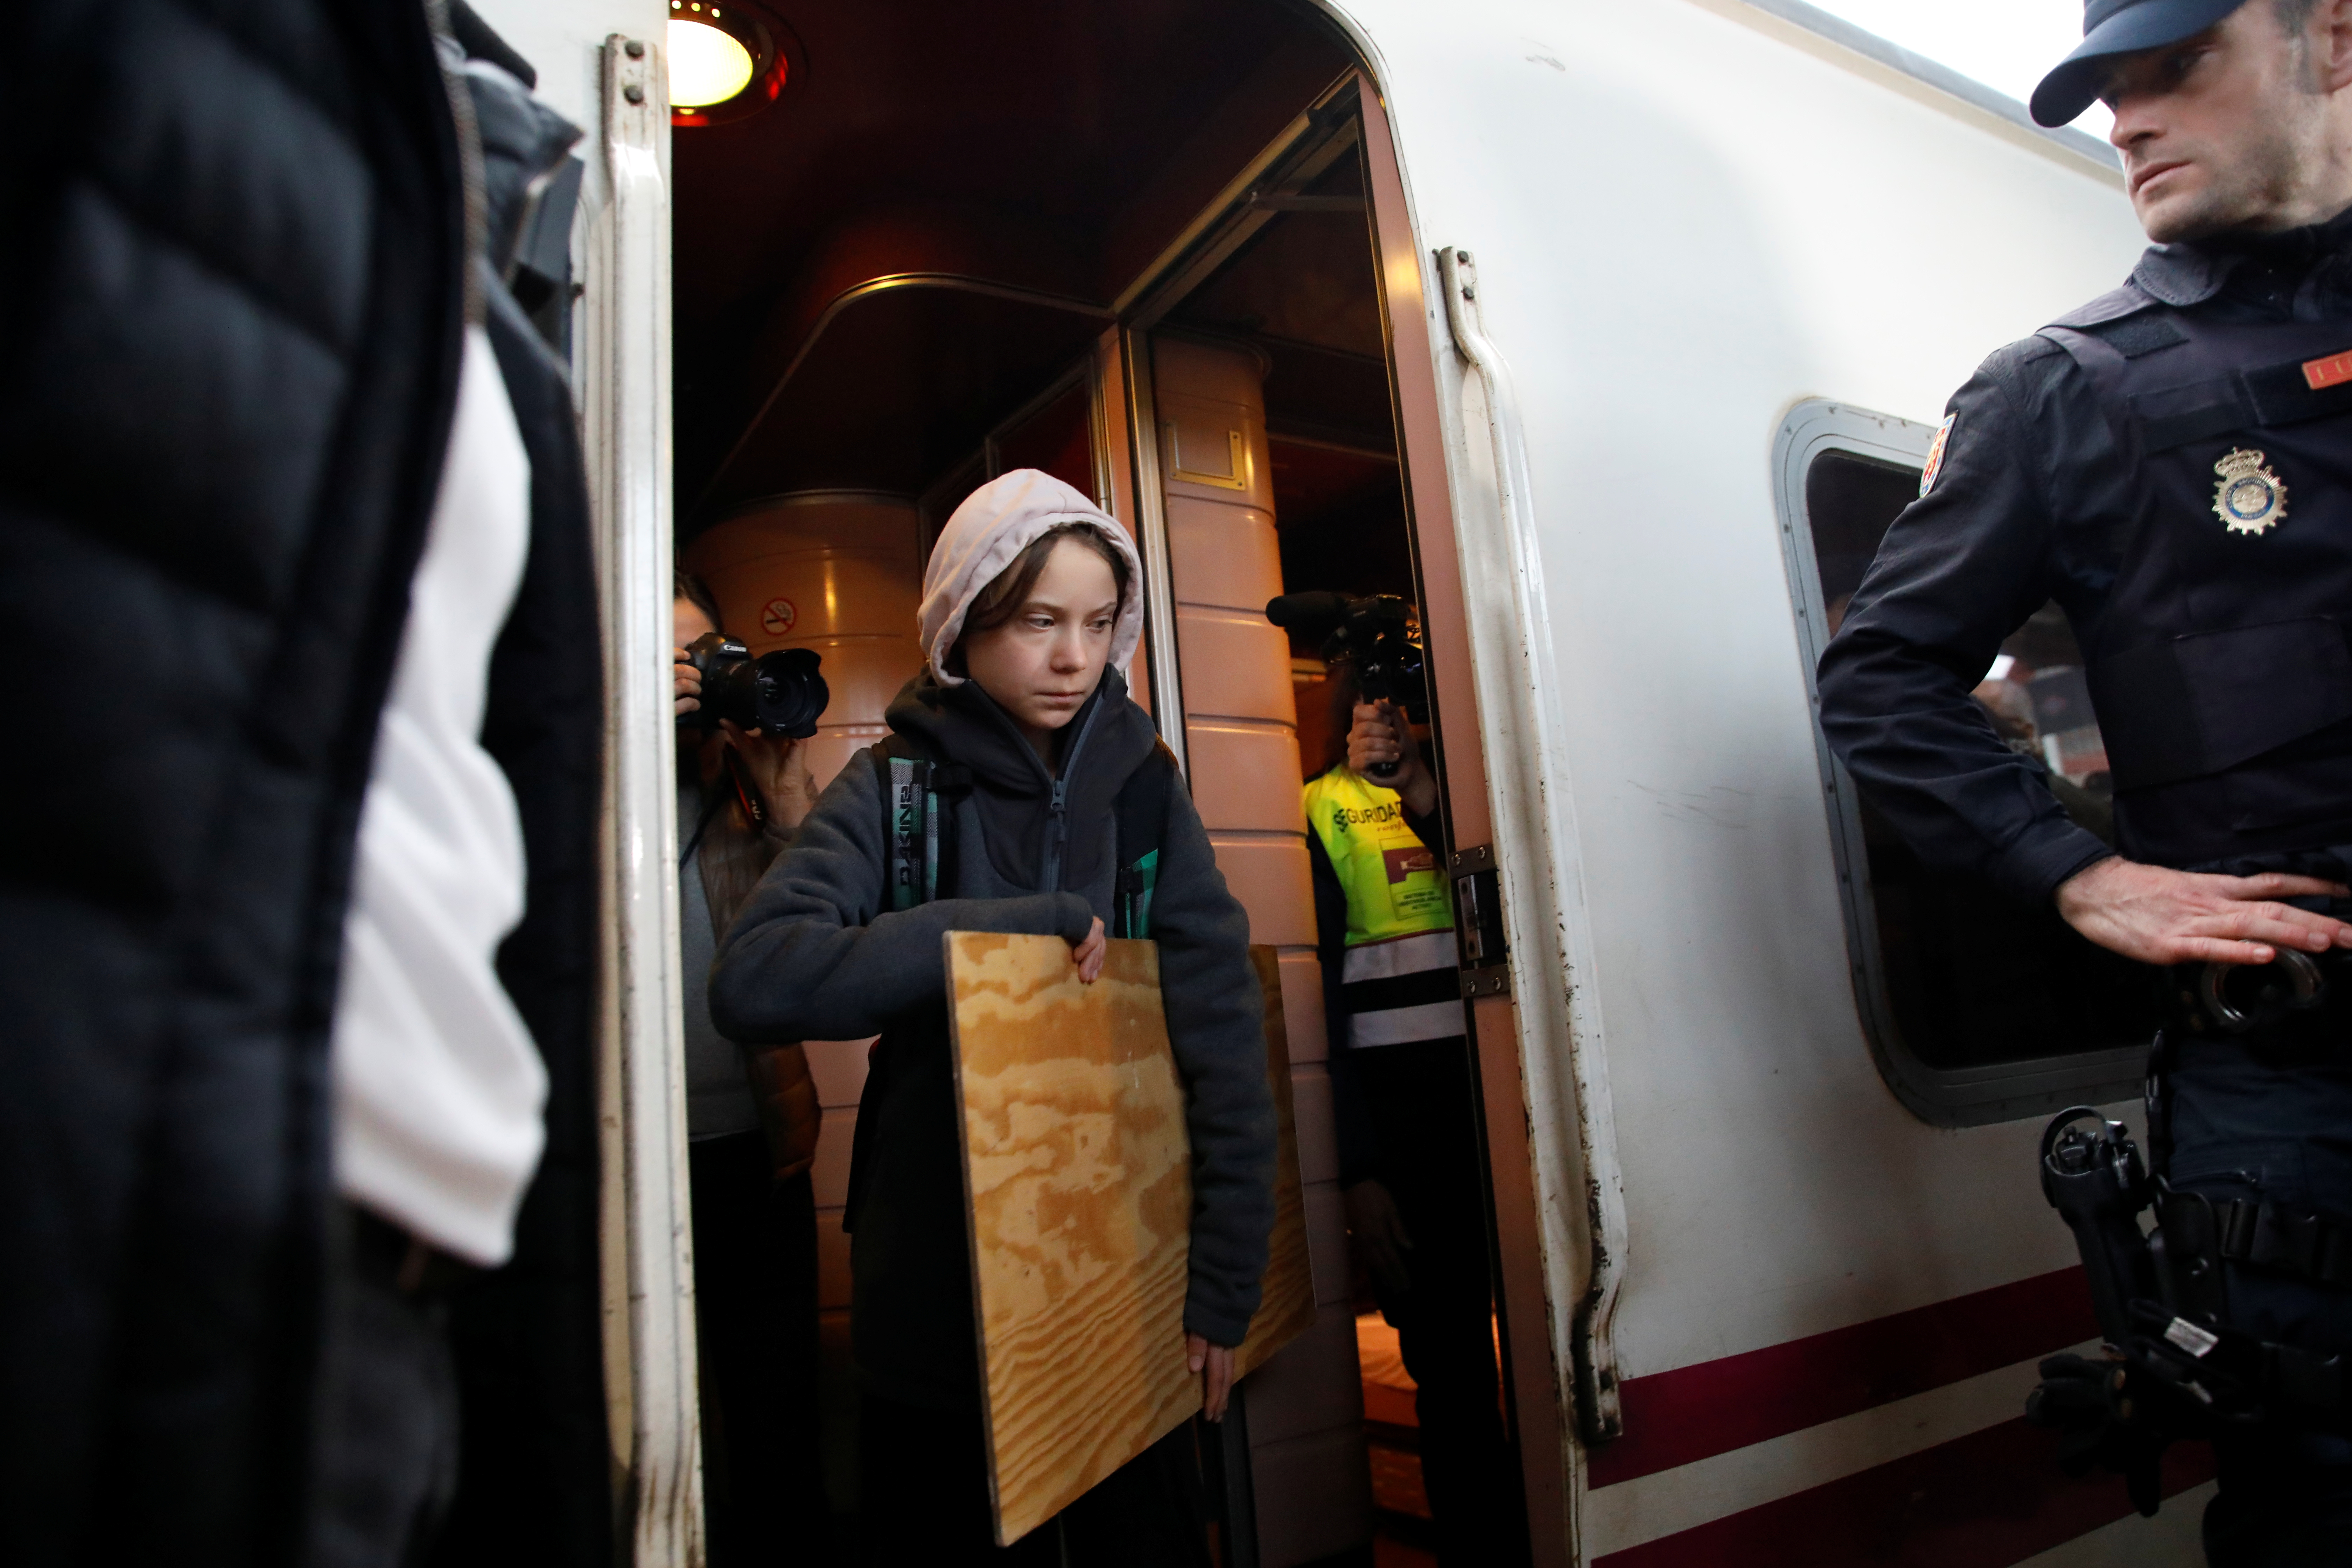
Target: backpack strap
point(914, 826)
point(902, 815)
point(1141, 813)
point(913, 823)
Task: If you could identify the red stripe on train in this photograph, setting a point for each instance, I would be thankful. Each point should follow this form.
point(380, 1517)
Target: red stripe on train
point(1993, 1498)
point(1692, 1412)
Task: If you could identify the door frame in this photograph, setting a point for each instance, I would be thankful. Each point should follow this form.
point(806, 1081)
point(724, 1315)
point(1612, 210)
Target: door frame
point(1428, 447)
point(1535, 1311)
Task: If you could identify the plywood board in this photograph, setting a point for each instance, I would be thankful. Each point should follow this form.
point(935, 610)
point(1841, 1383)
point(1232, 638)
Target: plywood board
point(1079, 1195)
point(1077, 1174)
point(1286, 1306)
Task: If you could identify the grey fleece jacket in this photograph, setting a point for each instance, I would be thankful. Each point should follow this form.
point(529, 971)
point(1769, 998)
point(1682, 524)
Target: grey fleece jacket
point(815, 955)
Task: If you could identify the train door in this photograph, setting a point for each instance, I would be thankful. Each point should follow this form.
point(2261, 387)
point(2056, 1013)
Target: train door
point(1283, 362)
point(858, 331)
point(1151, 253)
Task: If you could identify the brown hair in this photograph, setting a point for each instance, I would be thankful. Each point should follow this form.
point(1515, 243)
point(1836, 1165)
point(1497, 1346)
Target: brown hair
point(1002, 598)
point(695, 592)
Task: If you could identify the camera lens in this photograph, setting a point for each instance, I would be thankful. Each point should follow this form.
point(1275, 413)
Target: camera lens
point(778, 693)
point(787, 696)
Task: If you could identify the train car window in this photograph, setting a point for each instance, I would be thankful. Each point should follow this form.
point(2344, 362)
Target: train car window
point(1977, 1007)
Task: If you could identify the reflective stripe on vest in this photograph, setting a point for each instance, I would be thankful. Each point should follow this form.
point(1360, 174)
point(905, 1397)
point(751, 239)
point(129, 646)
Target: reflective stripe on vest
point(1398, 982)
point(1399, 955)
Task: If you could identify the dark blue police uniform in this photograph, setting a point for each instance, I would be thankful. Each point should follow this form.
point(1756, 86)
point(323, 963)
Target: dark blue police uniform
point(2173, 464)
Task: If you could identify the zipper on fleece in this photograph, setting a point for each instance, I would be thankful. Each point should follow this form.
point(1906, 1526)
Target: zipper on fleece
point(1056, 839)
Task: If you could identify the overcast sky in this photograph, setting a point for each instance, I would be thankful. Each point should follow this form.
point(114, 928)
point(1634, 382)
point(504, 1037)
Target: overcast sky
point(2005, 43)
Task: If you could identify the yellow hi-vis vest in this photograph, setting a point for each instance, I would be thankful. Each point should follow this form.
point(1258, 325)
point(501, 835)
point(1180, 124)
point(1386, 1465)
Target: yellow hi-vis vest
point(1398, 982)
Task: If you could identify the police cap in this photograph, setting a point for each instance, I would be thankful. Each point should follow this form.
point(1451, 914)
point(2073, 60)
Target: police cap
point(2111, 27)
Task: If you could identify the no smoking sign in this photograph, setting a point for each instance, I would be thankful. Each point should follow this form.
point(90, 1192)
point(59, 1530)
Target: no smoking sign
point(776, 617)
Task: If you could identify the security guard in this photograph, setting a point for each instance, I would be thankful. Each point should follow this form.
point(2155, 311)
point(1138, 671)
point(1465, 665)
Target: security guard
point(1409, 1162)
point(2172, 463)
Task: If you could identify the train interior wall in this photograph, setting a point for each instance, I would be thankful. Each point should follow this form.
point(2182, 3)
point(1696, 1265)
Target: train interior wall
point(910, 272)
point(1300, 298)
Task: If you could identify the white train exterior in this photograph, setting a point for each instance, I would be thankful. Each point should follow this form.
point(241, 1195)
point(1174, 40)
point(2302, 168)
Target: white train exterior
point(1641, 258)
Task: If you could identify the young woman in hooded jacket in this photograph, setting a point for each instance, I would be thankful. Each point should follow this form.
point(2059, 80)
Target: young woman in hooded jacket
point(1032, 609)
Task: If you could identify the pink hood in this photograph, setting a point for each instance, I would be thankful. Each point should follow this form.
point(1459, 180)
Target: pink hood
point(995, 523)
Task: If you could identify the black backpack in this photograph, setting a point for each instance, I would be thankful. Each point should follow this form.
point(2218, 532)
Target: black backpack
point(916, 830)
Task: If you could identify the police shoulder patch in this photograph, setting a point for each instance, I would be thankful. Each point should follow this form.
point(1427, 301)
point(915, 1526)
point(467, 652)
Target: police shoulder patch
point(1935, 453)
point(2247, 496)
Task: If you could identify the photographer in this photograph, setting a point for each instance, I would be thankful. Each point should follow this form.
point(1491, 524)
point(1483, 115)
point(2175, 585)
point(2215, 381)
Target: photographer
point(1409, 1162)
point(751, 1130)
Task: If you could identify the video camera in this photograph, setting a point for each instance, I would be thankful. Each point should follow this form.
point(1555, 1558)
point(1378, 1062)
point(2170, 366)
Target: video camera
point(1380, 636)
point(778, 693)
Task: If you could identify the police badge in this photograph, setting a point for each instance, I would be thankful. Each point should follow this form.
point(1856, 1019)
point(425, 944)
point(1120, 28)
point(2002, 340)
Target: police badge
point(2247, 496)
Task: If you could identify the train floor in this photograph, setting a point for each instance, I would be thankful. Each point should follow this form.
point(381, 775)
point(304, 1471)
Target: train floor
point(1401, 1532)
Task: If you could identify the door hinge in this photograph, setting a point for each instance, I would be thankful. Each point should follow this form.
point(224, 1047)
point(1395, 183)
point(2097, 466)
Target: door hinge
point(1478, 924)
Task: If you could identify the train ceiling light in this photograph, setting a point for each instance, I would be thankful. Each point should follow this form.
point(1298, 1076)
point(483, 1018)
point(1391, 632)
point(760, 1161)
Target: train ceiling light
point(726, 60)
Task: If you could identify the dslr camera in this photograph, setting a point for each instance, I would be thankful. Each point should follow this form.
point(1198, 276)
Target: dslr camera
point(1380, 636)
point(778, 693)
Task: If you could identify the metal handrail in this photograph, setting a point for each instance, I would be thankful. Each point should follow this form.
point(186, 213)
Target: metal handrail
point(891, 283)
point(650, 1351)
point(1549, 932)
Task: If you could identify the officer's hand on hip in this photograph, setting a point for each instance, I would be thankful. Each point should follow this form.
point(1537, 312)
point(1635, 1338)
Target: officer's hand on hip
point(1379, 733)
point(2157, 915)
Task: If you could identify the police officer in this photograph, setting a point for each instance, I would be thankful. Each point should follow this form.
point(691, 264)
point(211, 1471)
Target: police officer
point(1409, 1162)
point(2172, 463)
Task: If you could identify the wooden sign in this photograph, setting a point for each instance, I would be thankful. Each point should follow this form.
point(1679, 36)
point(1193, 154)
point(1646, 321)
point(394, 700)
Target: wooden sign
point(1079, 1188)
point(1286, 1307)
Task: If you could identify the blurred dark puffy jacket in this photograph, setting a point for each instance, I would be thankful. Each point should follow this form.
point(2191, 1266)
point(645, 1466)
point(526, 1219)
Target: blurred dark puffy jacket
point(237, 279)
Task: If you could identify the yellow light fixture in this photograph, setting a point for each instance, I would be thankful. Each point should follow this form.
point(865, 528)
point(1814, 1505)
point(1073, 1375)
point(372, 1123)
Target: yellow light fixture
point(707, 64)
point(728, 60)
